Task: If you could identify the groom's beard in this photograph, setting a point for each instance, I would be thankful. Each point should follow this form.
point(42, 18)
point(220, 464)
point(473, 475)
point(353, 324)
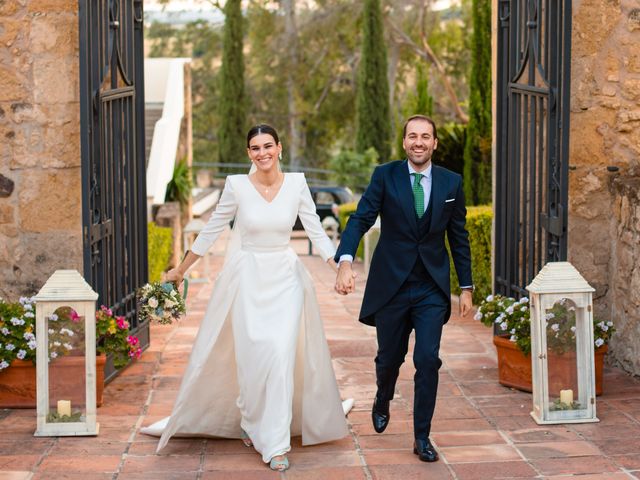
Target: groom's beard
point(420, 160)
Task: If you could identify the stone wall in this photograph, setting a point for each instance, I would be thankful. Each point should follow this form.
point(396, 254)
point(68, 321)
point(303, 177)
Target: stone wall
point(40, 190)
point(604, 180)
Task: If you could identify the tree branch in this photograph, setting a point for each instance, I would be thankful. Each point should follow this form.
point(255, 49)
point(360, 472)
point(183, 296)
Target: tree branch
point(428, 54)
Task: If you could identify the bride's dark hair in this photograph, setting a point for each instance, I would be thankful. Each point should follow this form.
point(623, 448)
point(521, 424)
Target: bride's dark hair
point(259, 130)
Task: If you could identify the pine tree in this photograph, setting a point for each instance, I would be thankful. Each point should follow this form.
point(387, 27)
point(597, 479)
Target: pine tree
point(232, 101)
point(477, 152)
point(373, 113)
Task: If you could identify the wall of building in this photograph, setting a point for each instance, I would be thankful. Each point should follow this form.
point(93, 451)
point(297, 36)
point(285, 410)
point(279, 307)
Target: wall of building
point(40, 178)
point(604, 180)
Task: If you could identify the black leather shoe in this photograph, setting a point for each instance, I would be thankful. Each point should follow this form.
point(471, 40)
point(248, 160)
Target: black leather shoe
point(380, 415)
point(425, 451)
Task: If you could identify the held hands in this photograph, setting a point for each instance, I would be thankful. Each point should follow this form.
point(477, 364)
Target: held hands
point(465, 302)
point(346, 279)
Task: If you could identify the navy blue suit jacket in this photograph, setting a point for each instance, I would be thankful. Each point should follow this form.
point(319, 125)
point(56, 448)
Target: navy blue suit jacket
point(389, 195)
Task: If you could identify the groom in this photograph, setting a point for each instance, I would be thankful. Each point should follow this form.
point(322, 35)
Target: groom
point(408, 284)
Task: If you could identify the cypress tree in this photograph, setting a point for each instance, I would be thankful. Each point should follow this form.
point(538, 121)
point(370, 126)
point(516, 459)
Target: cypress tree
point(418, 102)
point(373, 113)
point(232, 102)
point(477, 152)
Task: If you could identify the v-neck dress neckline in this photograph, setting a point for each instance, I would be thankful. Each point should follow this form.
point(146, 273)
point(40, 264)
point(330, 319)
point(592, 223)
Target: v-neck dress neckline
point(261, 196)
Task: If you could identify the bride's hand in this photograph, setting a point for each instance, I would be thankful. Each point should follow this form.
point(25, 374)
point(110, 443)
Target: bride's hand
point(174, 275)
point(332, 263)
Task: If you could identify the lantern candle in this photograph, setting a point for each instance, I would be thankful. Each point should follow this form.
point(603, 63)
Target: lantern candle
point(566, 397)
point(64, 408)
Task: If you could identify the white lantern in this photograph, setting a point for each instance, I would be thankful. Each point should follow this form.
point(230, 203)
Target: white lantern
point(66, 356)
point(562, 358)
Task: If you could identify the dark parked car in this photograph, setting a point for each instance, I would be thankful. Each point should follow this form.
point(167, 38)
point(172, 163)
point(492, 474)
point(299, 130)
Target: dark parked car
point(327, 199)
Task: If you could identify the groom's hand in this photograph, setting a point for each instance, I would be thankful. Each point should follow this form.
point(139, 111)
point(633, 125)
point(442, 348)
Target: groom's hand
point(466, 302)
point(346, 279)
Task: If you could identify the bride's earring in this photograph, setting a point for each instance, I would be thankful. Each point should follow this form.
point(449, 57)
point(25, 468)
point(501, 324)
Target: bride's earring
point(280, 156)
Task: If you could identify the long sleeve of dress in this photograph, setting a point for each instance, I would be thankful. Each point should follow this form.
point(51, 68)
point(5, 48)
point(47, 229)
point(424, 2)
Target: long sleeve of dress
point(220, 218)
point(311, 223)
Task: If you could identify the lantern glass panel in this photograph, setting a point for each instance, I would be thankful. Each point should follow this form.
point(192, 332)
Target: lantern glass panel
point(67, 366)
point(563, 335)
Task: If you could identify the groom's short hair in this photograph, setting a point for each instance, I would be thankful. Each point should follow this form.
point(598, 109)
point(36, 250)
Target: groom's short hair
point(423, 118)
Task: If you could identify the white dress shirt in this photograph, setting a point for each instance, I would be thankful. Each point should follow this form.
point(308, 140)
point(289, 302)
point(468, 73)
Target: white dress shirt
point(425, 181)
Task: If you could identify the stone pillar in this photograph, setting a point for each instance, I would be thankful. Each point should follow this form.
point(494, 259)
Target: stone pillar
point(604, 180)
point(40, 178)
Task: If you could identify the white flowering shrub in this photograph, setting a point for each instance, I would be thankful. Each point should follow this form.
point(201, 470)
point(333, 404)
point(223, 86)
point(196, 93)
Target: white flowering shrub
point(17, 331)
point(513, 319)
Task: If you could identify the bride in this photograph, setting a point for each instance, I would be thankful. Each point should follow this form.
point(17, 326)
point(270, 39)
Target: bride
point(260, 369)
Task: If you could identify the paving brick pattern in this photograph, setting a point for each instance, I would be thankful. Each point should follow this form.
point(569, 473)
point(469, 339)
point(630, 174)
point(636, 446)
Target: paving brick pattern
point(482, 430)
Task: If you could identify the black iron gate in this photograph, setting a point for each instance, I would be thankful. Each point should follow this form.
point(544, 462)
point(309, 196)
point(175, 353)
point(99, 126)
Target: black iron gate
point(113, 164)
point(534, 52)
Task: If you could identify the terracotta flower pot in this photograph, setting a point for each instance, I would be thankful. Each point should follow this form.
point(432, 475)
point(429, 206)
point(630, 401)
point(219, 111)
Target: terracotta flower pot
point(18, 382)
point(514, 368)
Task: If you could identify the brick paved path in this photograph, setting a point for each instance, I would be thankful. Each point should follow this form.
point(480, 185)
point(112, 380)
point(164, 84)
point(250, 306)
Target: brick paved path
point(482, 430)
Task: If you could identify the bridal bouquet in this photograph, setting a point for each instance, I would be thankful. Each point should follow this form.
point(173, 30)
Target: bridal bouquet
point(160, 302)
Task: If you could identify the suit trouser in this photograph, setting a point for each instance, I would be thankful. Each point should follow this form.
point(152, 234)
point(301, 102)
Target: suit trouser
point(420, 306)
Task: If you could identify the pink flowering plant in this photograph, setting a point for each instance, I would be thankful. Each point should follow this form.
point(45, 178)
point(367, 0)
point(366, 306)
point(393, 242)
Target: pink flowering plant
point(512, 318)
point(160, 302)
point(113, 338)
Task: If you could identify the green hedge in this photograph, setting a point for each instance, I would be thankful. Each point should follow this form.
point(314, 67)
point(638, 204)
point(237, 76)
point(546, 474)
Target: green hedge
point(479, 221)
point(344, 212)
point(160, 242)
point(479, 226)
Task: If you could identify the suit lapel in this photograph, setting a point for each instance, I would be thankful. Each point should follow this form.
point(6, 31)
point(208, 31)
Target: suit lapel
point(403, 186)
point(438, 193)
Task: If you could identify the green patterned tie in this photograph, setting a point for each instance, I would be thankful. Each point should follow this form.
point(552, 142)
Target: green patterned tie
point(418, 194)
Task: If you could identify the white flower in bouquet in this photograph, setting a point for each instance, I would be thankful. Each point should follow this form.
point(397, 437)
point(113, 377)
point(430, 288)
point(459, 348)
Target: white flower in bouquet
point(160, 302)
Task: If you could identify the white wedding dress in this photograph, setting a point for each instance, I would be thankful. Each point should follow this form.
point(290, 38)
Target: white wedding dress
point(260, 360)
